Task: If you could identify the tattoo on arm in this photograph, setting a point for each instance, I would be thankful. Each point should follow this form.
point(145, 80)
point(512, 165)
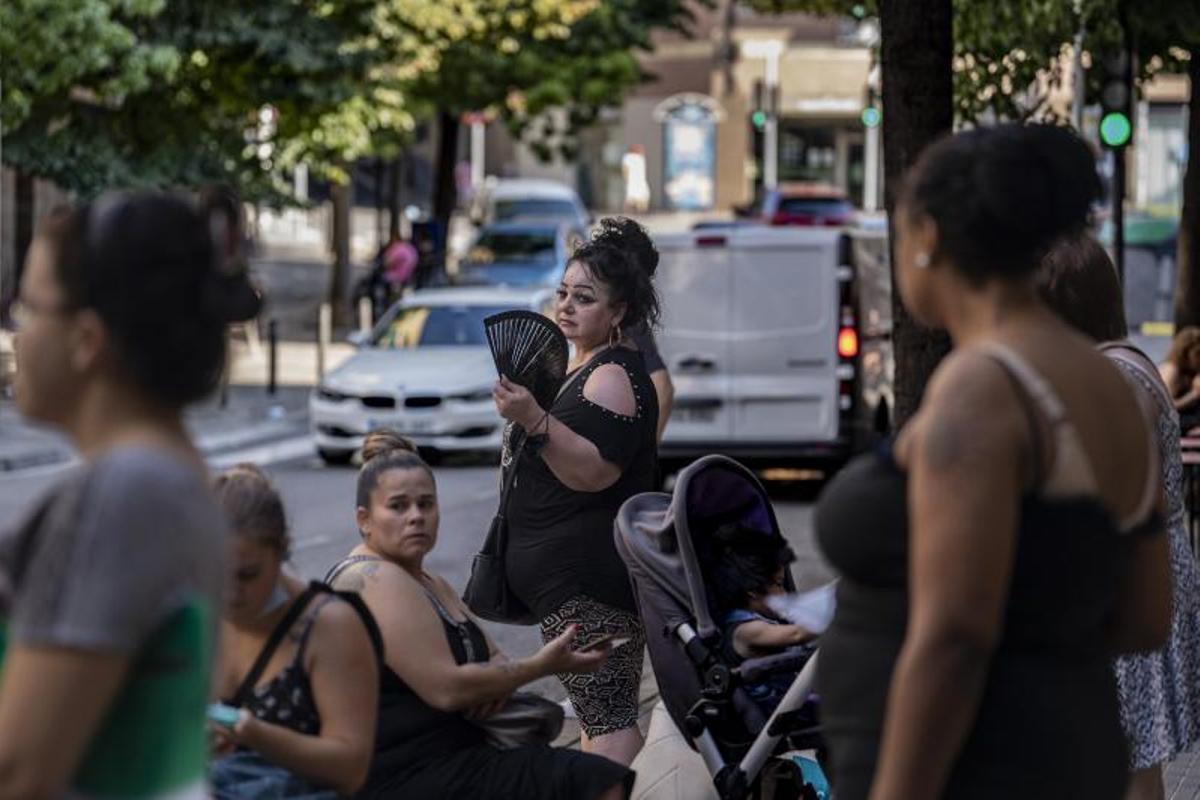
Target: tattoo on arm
point(354, 578)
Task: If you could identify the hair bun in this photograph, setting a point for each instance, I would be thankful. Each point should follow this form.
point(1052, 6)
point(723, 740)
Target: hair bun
point(231, 297)
point(382, 442)
point(631, 238)
point(1071, 167)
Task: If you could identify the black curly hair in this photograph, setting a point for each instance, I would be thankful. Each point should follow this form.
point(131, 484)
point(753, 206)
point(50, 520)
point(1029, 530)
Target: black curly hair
point(1002, 195)
point(621, 254)
point(145, 263)
point(743, 562)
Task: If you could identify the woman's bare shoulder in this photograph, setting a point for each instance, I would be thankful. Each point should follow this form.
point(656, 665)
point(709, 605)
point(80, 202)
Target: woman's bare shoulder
point(609, 386)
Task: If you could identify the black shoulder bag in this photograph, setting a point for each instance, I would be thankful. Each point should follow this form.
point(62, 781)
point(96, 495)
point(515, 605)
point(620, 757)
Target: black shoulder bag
point(488, 594)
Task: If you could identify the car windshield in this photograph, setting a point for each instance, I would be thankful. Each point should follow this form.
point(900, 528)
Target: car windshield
point(814, 206)
point(534, 207)
point(513, 247)
point(431, 326)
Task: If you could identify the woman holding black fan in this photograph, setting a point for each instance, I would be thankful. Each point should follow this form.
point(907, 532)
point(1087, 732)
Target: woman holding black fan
point(577, 461)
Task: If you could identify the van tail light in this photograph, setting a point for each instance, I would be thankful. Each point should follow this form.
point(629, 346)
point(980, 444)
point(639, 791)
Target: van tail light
point(847, 342)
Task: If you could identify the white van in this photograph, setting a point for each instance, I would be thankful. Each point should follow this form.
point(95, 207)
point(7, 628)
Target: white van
point(778, 340)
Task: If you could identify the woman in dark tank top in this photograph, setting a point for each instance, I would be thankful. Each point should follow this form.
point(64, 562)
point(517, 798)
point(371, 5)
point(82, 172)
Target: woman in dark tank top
point(992, 563)
point(440, 670)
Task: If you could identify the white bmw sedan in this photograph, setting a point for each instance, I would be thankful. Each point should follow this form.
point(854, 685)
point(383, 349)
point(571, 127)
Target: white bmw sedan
point(425, 371)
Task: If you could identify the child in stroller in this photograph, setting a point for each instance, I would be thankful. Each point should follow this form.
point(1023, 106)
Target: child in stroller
point(744, 569)
point(669, 545)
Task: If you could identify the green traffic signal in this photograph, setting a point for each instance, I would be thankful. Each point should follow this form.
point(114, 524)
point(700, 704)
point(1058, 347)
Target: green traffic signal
point(1115, 129)
point(759, 119)
point(871, 117)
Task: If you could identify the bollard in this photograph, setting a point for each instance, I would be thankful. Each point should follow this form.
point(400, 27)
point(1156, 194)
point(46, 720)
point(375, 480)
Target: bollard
point(365, 321)
point(272, 353)
point(324, 336)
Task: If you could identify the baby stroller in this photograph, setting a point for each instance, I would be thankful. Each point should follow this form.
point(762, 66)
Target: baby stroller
point(661, 538)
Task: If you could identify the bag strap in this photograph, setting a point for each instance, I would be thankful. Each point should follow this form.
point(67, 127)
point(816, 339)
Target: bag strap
point(289, 619)
point(340, 567)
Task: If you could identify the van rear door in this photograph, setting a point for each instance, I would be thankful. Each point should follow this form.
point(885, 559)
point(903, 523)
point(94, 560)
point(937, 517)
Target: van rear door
point(693, 281)
point(784, 335)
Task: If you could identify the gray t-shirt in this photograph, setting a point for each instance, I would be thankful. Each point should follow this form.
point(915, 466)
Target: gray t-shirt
point(125, 556)
point(112, 551)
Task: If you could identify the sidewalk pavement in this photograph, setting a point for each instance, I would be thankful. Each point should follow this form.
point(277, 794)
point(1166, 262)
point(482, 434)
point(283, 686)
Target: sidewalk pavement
point(1181, 778)
point(250, 417)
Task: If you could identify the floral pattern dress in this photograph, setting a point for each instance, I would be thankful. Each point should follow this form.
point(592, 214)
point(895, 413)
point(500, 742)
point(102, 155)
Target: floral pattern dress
point(1160, 691)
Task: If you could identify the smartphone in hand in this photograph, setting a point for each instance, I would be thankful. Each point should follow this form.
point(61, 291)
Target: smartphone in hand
point(223, 715)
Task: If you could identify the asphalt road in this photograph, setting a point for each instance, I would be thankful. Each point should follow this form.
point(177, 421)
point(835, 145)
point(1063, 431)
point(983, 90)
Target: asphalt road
point(320, 505)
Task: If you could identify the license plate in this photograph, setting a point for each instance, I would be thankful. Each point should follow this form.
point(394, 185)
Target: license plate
point(402, 425)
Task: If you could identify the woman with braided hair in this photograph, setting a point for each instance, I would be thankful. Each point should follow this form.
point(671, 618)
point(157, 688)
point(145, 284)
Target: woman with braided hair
point(582, 458)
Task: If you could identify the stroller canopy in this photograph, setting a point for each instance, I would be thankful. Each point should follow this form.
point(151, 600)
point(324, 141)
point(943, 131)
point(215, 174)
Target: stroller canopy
point(657, 536)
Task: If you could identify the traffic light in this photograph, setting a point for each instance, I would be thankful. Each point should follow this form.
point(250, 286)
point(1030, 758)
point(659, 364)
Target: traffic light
point(758, 117)
point(1116, 99)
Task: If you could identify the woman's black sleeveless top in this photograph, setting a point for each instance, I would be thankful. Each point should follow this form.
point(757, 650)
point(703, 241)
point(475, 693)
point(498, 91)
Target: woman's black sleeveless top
point(411, 733)
point(1048, 724)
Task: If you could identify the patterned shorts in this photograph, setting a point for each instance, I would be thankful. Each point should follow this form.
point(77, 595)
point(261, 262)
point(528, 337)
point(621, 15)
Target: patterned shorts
point(605, 701)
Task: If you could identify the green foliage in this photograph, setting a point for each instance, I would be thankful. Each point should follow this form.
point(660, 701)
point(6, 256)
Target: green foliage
point(101, 93)
point(1010, 56)
point(169, 94)
point(521, 58)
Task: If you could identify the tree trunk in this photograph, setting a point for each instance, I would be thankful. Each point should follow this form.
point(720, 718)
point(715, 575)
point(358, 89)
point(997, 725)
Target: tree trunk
point(339, 279)
point(22, 238)
point(1187, 261)
point(393, 198)
point(445, 195)
point(916, 51)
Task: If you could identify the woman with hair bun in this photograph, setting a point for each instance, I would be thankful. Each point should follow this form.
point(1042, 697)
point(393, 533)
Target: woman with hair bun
point(111, 586)
point(582, 458)
point(440, 669)
point(1011, 540)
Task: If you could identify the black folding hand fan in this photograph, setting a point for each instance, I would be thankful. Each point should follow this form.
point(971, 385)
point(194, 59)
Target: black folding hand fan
point(530, 350)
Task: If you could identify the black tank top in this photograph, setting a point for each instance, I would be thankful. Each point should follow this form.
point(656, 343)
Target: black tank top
point(1048, 724)
point(287, 698)
point(410, 731)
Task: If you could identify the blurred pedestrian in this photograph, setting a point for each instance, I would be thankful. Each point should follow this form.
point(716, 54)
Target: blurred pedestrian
point(1159, 691)
point(296, 662)
point(643, 339)
point(1011, 541)
point(442, 671)
point(582, 458)
point(637, 187)
point(112, 584)
point(399, 264)
point(1181, 371)
point(227, 222)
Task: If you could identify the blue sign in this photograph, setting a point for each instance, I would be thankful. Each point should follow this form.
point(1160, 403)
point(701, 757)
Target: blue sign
point(690, 150)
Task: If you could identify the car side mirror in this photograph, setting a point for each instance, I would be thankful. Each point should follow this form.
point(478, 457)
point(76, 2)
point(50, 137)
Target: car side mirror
point(359, 338)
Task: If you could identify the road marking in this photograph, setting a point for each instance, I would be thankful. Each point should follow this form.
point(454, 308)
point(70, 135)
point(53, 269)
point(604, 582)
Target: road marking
point(283, 450)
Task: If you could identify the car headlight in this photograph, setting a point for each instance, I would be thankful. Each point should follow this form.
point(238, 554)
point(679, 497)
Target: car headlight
point(331, 395)
point(475, 396)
